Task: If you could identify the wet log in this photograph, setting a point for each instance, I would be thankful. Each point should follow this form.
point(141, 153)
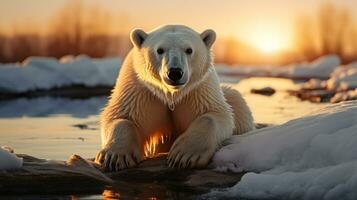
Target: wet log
point(80, 176)
point(39, 176)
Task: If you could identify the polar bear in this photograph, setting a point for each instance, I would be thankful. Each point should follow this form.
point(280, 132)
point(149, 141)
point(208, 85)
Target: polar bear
point(168, 85)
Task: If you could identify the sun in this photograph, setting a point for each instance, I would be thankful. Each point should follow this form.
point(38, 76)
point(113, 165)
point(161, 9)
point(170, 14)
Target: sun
point(268, 38)
point(269, 43)
point(268, 46)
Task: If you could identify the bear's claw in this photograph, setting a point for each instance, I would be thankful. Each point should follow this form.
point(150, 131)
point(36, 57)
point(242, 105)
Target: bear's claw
point(115, 160)
point(184, 155)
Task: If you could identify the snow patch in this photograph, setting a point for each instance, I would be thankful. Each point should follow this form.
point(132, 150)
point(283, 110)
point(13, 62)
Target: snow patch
point(320, 68)
point(344, 77)
point(41, 73)
point(313, 157)
point(344, 96)
point(9, 161)
point(44, 73)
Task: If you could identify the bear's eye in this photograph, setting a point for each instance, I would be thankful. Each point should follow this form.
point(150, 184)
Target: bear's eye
point(188, 51)
point(160, 51)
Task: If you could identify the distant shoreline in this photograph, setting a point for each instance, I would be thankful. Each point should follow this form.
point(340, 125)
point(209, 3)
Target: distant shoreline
point(74, 91)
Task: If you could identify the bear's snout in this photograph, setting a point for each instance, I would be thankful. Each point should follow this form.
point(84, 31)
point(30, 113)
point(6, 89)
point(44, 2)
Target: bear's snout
point(175, 78)
point(175, 74)
point(175, 69)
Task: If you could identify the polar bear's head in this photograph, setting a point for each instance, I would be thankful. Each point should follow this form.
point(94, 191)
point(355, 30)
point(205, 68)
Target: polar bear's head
point(172, 57)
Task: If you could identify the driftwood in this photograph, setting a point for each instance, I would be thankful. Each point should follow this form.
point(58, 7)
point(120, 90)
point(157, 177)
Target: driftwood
point(315, 96)
point(80, 176)
point(39, 176)
point(267, 91)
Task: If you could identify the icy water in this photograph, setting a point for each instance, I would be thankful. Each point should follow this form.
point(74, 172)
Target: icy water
point(55, 128)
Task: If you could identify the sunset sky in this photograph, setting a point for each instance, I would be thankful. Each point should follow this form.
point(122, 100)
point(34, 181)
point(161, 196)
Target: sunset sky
point(267, 25)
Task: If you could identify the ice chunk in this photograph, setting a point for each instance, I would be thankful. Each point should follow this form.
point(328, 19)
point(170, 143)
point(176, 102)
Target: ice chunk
point(9, 161)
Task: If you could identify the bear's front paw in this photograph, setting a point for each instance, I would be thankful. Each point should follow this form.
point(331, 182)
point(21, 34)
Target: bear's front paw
point(114, 157)
point(187, 152)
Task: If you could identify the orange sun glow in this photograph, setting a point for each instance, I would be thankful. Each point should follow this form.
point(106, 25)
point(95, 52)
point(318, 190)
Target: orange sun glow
point(151, 145)
point(269, 38)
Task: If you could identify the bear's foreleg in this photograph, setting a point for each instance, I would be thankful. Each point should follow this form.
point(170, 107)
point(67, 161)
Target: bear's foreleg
point(196, 146)
point(243, 118)
point(121, 145)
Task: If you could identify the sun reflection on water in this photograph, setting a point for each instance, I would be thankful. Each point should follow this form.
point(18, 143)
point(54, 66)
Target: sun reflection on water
point(110, 195)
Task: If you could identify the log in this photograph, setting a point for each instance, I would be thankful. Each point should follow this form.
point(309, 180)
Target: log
point(267, 91)
point(39, 176)
point(80, 176)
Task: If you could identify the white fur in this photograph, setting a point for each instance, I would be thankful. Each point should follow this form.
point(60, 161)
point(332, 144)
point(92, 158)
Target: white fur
point(198, 115)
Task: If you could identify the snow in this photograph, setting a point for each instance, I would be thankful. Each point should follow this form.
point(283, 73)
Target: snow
point(42, 73)
point(313, 157)
point(9, 161)
point(342, 81)
point(344, 96)
point(344, 77)
point(320, 68)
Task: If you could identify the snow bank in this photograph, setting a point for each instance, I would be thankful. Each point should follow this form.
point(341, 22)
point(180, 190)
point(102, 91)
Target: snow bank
point(320, 68)
point(342, 81)
point(344, 77)
point(46, 73)
point(313, 157)
point(9, 160)
point(37, 73)
point(43, 73)
point(344, 96)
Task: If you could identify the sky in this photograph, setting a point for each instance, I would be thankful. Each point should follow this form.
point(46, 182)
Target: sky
point(256, 22)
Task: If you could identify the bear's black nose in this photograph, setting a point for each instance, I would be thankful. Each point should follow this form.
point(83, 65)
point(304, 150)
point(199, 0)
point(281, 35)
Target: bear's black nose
point(175, 74)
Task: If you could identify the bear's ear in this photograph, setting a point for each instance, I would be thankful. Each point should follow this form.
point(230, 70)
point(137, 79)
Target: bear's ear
point(137, 37)
point(208, 37)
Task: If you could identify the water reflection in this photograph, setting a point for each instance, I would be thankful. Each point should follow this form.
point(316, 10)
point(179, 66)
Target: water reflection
point(278, 108)
point(147, 191)
point(53, 137)
point(46, 106)
point(110, 195)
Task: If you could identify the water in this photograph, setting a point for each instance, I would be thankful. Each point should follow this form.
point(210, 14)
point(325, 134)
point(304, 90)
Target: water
point(55, 128)
point(278, 108)
point(51, 128)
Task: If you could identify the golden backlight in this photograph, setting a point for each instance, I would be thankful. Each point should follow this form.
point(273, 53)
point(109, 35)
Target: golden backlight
point(269, 46)
point(269, 38)
point(151, 145)
point(272, 32)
